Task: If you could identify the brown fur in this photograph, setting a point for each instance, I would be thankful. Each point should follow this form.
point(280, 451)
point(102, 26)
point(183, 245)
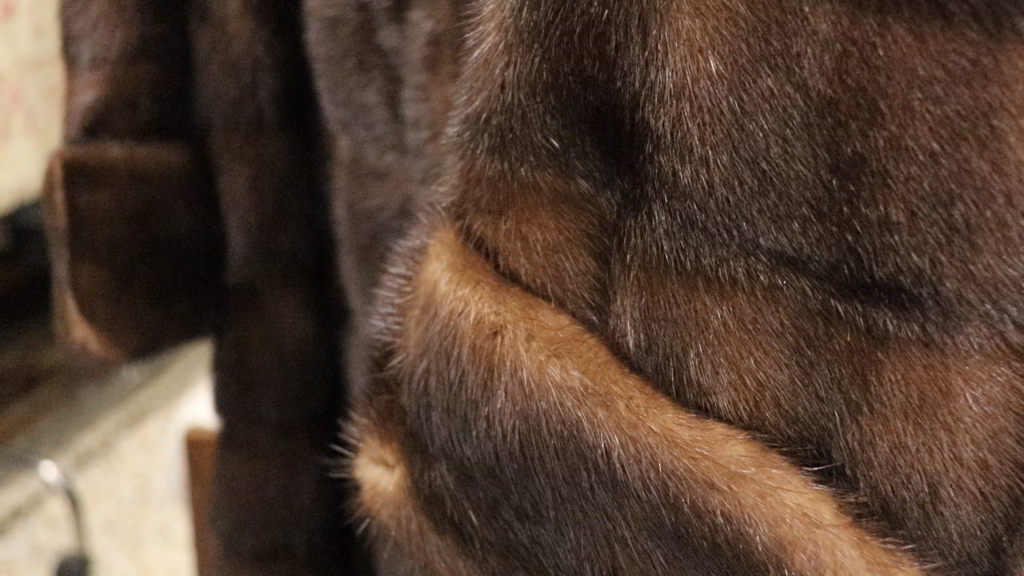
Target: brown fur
point(513, 363)
point(132, 253)
point(689, 247)
point(132, 220)
point(279, 386)
point(384, 71)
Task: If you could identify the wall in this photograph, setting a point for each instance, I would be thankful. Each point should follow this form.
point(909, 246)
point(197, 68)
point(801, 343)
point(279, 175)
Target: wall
point(31, 96)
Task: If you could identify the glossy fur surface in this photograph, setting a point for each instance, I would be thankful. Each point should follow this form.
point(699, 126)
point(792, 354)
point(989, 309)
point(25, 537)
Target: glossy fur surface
point(718, 287)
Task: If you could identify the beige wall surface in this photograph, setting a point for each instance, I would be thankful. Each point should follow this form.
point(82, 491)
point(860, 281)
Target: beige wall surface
point(31, 96)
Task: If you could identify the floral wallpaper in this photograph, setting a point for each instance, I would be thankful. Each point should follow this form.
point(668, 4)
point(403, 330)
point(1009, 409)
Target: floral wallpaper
point(31, 96)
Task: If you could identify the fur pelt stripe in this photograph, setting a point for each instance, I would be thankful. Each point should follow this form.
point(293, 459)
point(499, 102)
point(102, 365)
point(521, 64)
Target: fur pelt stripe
point(494, 387)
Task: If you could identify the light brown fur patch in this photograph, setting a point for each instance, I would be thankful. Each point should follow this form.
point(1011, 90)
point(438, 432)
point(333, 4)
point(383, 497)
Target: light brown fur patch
point(545, 379)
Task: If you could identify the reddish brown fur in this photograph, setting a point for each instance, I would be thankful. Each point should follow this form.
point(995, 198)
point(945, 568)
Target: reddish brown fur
point(792, 229)
point(539, 368)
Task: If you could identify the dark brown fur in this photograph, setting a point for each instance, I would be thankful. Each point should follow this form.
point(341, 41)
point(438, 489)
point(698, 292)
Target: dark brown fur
point(132, 219)
point(384, 71)
point(690, 247)
point(187, 120)
point(279, 386)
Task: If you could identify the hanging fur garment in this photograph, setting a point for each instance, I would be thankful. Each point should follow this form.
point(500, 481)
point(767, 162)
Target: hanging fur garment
point(716, 287)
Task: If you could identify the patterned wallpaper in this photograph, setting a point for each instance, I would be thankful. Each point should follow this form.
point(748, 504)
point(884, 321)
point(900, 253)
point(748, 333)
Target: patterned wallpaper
point(31, 96)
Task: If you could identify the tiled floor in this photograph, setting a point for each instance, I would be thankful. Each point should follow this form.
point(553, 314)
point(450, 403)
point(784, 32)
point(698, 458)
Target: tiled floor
point(120, 437)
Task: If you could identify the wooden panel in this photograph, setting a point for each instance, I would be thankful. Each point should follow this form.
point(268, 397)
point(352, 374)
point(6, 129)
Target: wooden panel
point(202, 451)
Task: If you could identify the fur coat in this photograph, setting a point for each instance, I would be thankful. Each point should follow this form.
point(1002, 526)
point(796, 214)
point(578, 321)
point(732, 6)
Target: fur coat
point(712, 288)
point(191, 197)
point(622, 287)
